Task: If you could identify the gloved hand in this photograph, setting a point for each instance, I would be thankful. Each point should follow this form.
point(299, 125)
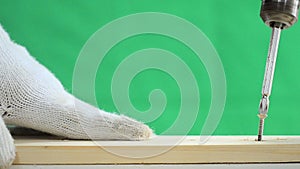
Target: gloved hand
point(32, 97)
point(7, 147)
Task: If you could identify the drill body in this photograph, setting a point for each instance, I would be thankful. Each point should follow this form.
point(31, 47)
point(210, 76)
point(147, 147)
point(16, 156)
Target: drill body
point(277, 14)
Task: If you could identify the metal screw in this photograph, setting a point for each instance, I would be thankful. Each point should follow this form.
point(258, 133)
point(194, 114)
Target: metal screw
point(261, 129)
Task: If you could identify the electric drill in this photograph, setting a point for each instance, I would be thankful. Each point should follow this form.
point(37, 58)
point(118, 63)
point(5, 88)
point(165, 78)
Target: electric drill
point(279, 15)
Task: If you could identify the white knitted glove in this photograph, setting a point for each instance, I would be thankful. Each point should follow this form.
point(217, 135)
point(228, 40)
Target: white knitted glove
point(31, 96)
point(7, 148)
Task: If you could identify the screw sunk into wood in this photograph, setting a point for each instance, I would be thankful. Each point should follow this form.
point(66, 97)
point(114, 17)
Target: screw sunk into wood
point(261, 129)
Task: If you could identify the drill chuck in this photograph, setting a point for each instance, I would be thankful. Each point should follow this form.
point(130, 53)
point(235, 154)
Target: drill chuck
point(279, 13)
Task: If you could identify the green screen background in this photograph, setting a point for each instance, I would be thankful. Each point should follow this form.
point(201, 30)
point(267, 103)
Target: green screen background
point(54, 31)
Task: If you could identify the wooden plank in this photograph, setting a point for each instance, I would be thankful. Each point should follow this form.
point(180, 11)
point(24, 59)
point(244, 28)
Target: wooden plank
point(160, 150)
point(160, 166)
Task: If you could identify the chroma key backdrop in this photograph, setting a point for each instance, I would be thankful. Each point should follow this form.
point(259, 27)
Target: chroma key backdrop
point(166, 76)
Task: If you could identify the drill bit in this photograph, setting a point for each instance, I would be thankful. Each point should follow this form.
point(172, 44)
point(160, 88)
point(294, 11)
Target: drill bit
point(268, 77)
